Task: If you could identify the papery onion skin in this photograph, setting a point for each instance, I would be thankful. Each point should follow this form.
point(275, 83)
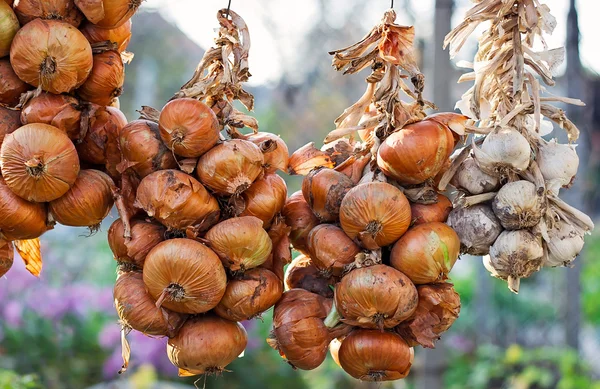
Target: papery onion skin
point(112, 148)
point(20, 219)
point(189, 127)
point(143, 150)
point(240, 242)
point(206, 345)
point(255, 292)
point(301, 219)
point(230, 167)
point(51, 54)
point(11, 86)
point(334, 349)
point(60, 111)
point(416, 153)
point(331, 250)
point(88, 201)
point(377, 296)
point(137, 310)
point(427, 213)
point(274, 149)
point(175, 199)
point(108, 14)
point(303, 274)
point(63, 10)
point(119, 36)
point(426, 253)
point(375, 211)
point(9, 25)
point(7, 255)
point(39, 162)
point(339, 150)
point(9, 122)
point(323, 190)
point(188, 275)
point(95, 146)
point(518, 205)
point(265, 198)
point(477, 228)
point(370, 355)
point(144, 236)
point(106, 79)
point(472, 179)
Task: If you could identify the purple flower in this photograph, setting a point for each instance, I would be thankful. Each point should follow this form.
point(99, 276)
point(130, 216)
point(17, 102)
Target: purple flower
point(113, 364)
point(110, 336)
point(55, 303)
point(13, 314)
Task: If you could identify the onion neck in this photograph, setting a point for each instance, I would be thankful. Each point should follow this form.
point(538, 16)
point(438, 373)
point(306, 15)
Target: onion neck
point(48, 67)
point(35, 167)
point(333, 318)
point(173, 292)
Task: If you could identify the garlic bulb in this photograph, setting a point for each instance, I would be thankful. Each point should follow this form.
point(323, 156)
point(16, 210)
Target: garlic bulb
point(474, 180)
point(504, 150)
point(564, 242)
point(518, 205)
point(476, 226)
point(515, 255)
point(558, 164)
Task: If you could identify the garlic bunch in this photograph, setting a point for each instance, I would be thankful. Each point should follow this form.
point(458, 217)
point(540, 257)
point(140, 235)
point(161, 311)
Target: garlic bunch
point(518, 205)
point(558, 164)
point(477, 227)
point(473, 180)
point(503, 151)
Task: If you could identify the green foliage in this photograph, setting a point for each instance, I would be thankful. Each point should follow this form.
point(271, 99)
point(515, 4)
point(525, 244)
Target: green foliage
point(589, 280)
point(11, 380)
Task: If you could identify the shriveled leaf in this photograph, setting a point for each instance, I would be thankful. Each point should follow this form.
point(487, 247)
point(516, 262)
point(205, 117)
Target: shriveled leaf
point(125, 349)
point(31, 253)
point(397, 47)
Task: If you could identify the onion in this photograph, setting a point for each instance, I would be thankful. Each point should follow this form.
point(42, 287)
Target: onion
point(331, 250)
point(144, 236)
point(108, 14)
point(558, 164)
point(377, 296)
point(52, 55)
point(9, 25)
point(274, 149)
point(303, 274)
point(9, 122)
point(255, 292)
point(87, 203)
point(184, 276)
point(112, 148)
point(20, 219)
point(265, 198)
point(241, 242)
point(502, 151)
point(518, 205)
point(176, 199)
point(370, 355)
point(375, 213)
point(94, 147)
point(307, 158)
point(189, 127)
point(564, 242)
point(426, 253)
point(120, 36)
point(477, 228)
point(438, 308)
point(63, 10)
point(106, 80)
point(427, 213)
point(515, 255)
point(137, 310)
point(323, 190)
point(60, 111)
point(143, 150)
point(7, 255)
point(11, 86)
point(300, 218)
point(473, 180)
point(416, 153)
point(206, 345)
point(230, 167)
point(39, 162)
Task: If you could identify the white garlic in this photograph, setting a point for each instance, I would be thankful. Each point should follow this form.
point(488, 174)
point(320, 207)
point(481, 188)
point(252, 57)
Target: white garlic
point(476, 226)
point(558, 164)
point(518, 205)
point(474, 180)
point(564, 242)
point(515, 255)
point(503, 150)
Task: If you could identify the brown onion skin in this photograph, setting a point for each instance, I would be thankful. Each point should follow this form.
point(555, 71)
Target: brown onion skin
point(112, 148)
point(375, 297)
point(378, 205)
point(9, 26)
point(301, 219)
point(7, 255)
point(230, 167)
point(88, 201)
point(426, 253)
point(206, 345)
point(20, 219)
point(144, 236)
point(189, 127)
point(137, 310)
point(274, 149)
point(192, 268)
point(303, 274)
point(63, 10)
point(105, 82)
point(11, 86)
point(143, 150)
point(416, 153)
point(427, 213)
point(71, 55)
point(331, 250)
point(108, 14)
point(265, 198)
point(39, 162)
point(323, 190)
point(119, 36)
point(95, 146)
point(370, 355)
point(60, 111)
point(9, 122)
point(246, 297)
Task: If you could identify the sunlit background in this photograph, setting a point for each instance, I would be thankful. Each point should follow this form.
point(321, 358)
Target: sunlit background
point(62, 331)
